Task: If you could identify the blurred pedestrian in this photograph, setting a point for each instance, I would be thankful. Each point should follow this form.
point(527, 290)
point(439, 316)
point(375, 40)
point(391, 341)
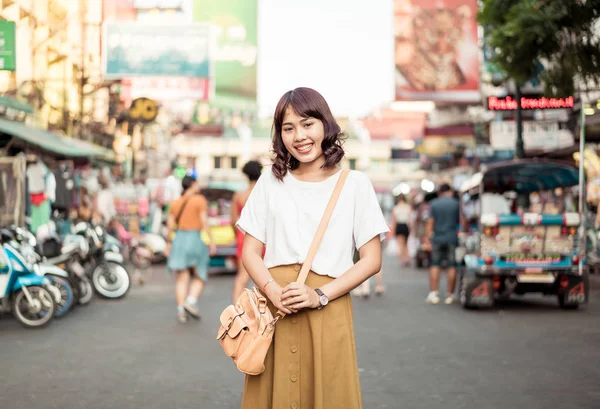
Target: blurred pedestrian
point(188, 255)
point(442, 234)
point(252, 170)
point(401, 216)
point(105, 202)
point(312, 361)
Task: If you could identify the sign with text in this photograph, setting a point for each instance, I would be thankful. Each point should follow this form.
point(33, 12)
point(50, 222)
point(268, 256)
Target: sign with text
point(134, 49)
point(7, 46)
point(537, 136)
point(510, 104)
point(165, 89)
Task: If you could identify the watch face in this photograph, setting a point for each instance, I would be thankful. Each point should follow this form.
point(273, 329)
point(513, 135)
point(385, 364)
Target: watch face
point(324, 300)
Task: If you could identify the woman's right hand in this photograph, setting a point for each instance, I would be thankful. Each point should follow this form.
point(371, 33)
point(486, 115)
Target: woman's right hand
point(273, 292)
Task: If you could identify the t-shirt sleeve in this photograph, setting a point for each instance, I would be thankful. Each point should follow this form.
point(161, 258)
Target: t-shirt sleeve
point(368, 217)
point(253, 219)
point(201, 204)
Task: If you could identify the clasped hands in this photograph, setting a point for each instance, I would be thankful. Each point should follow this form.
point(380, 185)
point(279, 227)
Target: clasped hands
point(293, 297)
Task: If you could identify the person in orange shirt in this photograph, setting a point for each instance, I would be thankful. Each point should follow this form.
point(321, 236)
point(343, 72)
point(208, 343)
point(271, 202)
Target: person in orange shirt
point(188, 255)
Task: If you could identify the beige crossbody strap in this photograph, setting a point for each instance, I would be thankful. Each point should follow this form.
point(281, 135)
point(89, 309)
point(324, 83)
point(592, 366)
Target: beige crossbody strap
point(312, 251)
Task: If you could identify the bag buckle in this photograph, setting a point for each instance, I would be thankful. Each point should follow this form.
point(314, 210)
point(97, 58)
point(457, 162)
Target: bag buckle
point(231, 320)
point(271, 326)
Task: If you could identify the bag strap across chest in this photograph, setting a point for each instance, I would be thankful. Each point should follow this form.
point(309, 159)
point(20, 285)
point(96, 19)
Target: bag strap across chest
point(314, 247)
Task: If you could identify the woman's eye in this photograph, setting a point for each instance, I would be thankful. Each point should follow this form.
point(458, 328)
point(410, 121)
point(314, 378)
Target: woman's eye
point(308, 125)
point(287, 129)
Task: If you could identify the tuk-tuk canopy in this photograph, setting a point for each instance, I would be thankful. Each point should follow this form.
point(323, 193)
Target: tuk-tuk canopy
point(523, 176)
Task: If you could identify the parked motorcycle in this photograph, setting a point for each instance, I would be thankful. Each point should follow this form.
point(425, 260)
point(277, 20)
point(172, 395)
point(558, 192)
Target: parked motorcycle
point(26, 293)
point(104, 264)
point(148, 250)
point(68, 254)
point(25, 242)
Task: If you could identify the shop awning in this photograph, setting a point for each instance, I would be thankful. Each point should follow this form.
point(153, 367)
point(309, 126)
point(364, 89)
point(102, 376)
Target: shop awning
point(47, 141)
point(16, 105)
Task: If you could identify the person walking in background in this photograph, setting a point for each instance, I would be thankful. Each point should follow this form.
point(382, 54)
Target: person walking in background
point(252, 170)
point(105, 202)
point(442, 234)
point(312, 360)
point(188, 256)
point(401, 215)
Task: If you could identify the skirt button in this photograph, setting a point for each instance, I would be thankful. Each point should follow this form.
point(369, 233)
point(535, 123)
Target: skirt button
point(293, 378)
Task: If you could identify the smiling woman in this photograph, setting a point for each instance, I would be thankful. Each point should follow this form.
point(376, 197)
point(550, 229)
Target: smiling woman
point(311, 363)
point(305, 130)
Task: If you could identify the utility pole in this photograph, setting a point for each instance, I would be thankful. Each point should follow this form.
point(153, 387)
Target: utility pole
point(520, 149)
point(82, 10)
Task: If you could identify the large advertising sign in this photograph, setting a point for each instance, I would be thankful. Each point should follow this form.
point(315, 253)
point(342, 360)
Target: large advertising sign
point(436, 50)
point(134, 49)
point(235, 23)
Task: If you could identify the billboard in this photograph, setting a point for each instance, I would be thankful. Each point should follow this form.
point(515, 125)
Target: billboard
point(436, 50)
point(7, 46)
point(235, 24)
point(135, 49)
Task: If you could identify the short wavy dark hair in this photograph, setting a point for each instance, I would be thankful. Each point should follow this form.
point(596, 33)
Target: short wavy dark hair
point(306, 102)
point(252, 170)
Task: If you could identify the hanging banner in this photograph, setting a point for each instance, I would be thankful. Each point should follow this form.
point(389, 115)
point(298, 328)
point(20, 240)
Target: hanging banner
point(436, 50)
point(7, 46)
point(134, 49)
point(235, 23)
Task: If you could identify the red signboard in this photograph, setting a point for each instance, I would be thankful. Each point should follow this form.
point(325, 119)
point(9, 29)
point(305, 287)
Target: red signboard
point(510, 104)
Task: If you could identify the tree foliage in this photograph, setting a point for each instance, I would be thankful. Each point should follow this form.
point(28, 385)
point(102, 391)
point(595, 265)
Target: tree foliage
point(563, 35)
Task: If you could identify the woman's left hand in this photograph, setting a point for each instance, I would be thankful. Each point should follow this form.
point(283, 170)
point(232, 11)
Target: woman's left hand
point(296, 297)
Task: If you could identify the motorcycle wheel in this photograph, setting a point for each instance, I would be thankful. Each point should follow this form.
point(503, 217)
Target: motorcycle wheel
point(111, 280)
point(86, 291)
point(139, 257)
point(39, 313)
point(67, 299)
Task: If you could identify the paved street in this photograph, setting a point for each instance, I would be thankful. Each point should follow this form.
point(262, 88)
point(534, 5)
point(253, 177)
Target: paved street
point(133, 353)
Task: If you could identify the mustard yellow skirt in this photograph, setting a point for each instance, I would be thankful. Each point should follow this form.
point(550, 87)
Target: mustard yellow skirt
point(312, 360)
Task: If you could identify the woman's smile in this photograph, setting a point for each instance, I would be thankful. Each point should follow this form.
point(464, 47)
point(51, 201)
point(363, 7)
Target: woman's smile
point(304, 149)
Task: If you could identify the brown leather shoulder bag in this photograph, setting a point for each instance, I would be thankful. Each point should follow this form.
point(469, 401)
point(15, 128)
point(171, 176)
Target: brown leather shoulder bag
point(247, 328)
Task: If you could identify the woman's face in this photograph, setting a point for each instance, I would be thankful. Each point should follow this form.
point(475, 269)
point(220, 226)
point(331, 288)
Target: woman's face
point(302, 137)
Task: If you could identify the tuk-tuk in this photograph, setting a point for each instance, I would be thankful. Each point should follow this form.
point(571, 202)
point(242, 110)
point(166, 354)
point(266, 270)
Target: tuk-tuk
point(518, 244)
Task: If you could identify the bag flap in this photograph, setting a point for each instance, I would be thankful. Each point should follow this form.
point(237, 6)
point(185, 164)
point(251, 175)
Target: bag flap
point(232, 322)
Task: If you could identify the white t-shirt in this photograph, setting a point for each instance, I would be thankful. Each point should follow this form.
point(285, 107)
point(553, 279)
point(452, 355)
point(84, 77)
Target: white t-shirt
point(285, 216)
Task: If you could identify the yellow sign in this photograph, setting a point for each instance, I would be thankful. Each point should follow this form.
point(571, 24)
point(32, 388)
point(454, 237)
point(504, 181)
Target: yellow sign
point(143, 109)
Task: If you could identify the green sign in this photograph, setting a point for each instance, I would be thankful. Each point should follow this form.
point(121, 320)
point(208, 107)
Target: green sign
point(235, 23)
point(7, 46)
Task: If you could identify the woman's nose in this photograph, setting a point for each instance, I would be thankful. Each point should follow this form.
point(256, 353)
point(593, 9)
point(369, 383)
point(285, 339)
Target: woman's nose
point(299, 135)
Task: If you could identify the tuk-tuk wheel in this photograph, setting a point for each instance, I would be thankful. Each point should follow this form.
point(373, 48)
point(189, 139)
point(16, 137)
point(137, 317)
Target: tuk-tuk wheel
point(564, 306)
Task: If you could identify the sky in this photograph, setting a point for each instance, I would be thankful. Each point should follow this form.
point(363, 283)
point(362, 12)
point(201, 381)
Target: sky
point(341, 48)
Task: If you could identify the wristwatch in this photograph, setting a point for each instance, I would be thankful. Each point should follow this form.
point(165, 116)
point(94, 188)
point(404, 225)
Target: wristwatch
point(322, 298)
